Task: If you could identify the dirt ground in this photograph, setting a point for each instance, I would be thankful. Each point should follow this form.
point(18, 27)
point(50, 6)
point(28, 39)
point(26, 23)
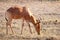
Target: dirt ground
point(47, 12)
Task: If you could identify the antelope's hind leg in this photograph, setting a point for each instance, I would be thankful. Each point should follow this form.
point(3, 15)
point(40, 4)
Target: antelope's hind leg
point(8, 23)
point(11, 28)
point(6, 27)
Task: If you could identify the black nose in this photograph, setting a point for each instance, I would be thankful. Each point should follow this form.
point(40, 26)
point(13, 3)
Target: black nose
point(38, 33)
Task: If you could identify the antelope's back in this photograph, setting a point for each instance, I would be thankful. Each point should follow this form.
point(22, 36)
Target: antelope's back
point(14, 10)
point(19, 12)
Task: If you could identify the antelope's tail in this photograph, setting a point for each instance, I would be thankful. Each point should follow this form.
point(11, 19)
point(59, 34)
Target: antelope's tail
point(6, 19)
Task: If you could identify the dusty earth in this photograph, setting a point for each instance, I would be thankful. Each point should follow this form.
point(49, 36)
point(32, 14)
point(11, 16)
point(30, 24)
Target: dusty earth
point(47, 12)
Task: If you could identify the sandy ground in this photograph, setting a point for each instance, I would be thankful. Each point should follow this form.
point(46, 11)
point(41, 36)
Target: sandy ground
point(47, 12)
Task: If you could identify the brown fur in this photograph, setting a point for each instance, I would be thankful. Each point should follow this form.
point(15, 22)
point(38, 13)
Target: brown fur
point(21, 13)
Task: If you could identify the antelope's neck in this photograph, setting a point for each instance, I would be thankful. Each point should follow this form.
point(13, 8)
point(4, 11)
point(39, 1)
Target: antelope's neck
point(33, 20)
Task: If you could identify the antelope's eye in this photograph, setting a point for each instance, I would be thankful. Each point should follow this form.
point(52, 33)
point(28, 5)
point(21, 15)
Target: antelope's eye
point(35, 24)
point(37, 20)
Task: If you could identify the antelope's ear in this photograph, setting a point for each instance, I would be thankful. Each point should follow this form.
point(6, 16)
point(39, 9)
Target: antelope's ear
point(39, 21)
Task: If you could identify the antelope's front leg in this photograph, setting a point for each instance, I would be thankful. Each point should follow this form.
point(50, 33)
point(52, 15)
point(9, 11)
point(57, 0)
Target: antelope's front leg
point(29, 27)
point(22, 25)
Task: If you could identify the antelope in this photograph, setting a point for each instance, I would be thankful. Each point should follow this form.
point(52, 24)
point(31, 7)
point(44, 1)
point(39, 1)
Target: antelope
point(23, 13)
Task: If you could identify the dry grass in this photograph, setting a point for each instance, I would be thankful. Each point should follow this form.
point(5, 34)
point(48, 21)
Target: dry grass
point(50, 21)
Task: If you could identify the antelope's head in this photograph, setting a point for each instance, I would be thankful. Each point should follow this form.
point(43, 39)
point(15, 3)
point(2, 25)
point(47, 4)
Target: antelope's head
point(37, 27)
